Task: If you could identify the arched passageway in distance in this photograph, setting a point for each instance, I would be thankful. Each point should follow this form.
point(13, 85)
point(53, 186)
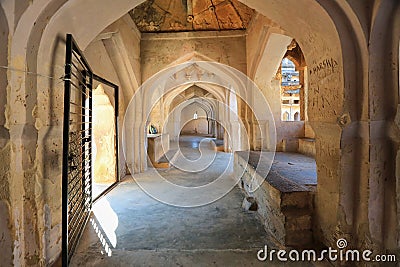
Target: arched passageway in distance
point(177, 104)
point(226, 82)
point(194, 120)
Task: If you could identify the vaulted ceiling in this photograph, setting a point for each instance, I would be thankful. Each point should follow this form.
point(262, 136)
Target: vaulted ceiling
point(191, 15)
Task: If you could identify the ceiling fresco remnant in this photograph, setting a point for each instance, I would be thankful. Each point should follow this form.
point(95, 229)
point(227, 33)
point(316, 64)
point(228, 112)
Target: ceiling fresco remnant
point(191, 15)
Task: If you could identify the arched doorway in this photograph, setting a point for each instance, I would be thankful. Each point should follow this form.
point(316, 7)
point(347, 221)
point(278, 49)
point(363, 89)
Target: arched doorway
point(336, 43)
point(194, 120)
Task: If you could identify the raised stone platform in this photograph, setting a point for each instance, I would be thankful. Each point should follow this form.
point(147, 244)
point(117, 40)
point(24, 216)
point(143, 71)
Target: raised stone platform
point(157, 145)
point(219, 145)
point(285, 198)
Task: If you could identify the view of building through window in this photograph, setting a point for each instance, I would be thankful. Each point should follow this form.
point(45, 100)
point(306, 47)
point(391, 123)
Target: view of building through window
point(290, 91)
point(289, 74)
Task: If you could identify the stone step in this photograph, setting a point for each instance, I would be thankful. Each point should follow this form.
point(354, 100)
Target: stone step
point(298, 220)
point(297, 200)
point(164, 161)
point(161, 165)
point(299, 239)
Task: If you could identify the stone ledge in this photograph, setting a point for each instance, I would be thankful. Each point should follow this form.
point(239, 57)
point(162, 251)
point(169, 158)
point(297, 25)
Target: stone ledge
point(284, 204)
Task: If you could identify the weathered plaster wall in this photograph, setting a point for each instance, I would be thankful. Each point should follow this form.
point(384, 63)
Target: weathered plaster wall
point(224, 47)
point(288, 134)
point(27, 188)
point(6, 241)
point(100, 62)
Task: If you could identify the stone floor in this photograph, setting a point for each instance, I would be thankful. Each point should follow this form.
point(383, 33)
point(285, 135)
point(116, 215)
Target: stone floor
point(130, 228)
point(98, 189)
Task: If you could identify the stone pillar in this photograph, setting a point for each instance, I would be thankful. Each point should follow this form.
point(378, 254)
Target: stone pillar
point(177, 130)
point(259, 131)
point(128, 140)
point(303, 92)
point(137, 152)
point(325, 106)
point(235, 143)
point(25, 183)
point(6, 230)
point(328, 160)
point(143, 147)
point(266, 135)
point(245, 134)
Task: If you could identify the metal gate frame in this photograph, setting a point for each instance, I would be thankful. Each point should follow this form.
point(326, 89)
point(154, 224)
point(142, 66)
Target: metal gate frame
point(77, 146)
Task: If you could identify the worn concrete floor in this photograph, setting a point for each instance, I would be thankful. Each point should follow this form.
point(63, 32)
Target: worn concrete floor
point(130, 228)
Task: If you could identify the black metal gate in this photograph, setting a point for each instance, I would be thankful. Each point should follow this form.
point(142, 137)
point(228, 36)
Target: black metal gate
point(77, 146)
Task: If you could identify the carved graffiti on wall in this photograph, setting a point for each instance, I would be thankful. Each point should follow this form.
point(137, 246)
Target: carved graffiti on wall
point(325, 89)
point(327, 66)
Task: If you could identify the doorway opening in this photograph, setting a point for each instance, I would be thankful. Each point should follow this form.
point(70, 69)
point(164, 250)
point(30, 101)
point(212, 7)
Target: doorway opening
point(105, 137)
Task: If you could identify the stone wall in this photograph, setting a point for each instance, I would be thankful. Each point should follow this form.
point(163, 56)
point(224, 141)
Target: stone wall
point(307, 146)
point(226, 47)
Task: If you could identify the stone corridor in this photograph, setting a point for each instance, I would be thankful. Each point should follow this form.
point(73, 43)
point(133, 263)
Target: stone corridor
point(310, 86)
point(151, 233)
point(128, 225)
